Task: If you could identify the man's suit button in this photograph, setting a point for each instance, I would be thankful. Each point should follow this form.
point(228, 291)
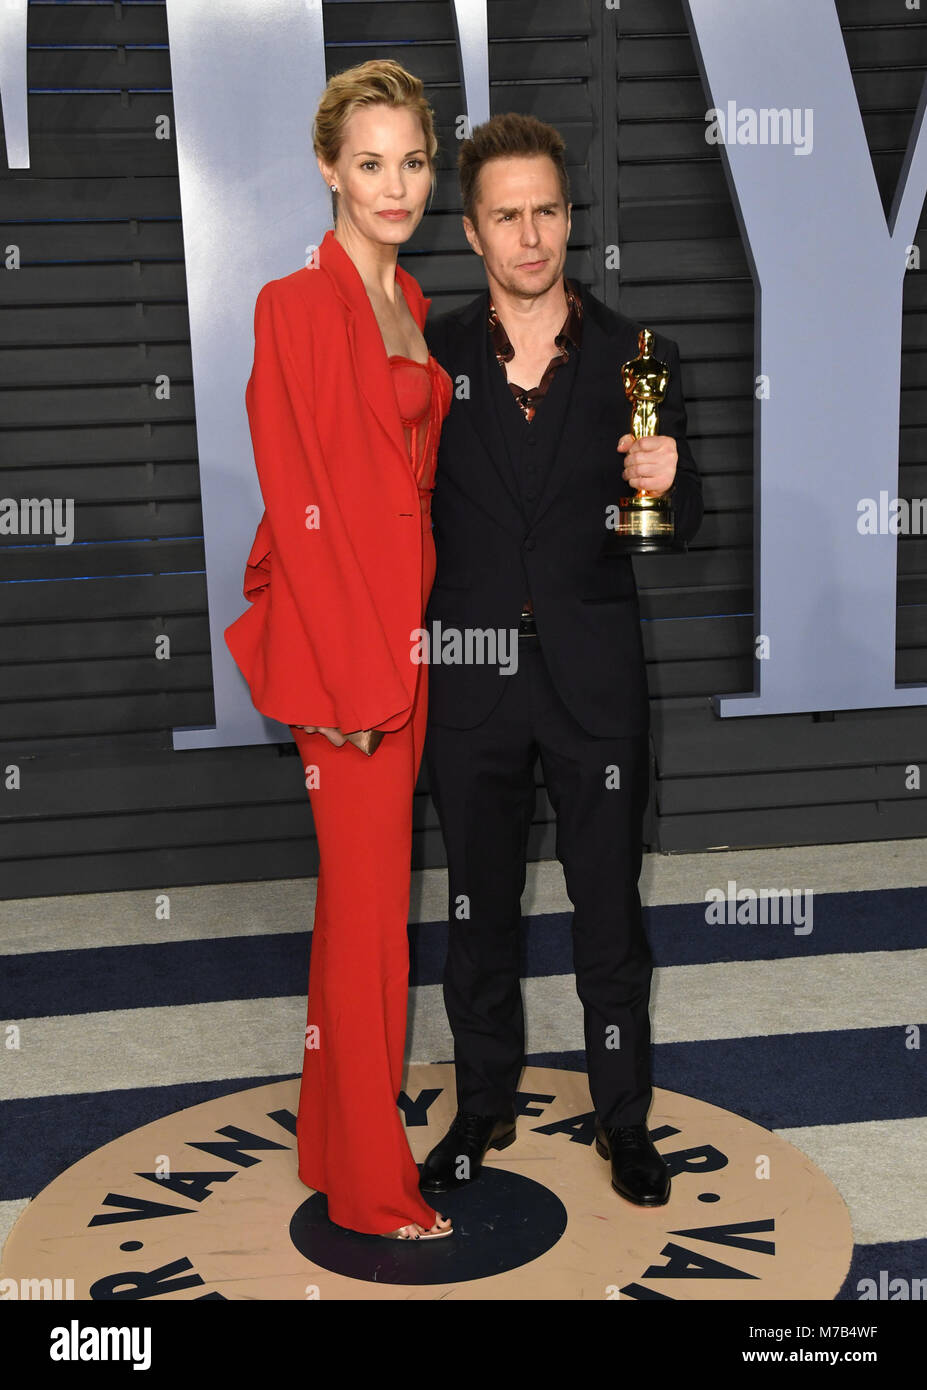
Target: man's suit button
point(530, 543)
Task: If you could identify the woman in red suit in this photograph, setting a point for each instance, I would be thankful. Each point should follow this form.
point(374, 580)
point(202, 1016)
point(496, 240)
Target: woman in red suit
point(345, 406)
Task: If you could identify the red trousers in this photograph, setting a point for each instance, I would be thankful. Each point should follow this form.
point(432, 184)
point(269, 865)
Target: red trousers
point(351, 1142)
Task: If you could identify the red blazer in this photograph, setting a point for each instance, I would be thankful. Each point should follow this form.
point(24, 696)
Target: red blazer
point(327, 638)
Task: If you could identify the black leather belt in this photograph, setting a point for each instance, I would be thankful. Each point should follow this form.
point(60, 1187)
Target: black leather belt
point(527, 626)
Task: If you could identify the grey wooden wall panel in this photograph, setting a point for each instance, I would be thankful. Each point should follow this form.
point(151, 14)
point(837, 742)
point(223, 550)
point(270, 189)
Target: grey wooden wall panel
point(86, 710)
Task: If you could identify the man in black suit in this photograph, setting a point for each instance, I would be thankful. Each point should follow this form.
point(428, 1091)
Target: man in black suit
point(527, 480)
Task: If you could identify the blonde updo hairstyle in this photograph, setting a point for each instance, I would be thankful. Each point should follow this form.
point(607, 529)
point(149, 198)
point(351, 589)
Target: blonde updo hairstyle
point(377, 82)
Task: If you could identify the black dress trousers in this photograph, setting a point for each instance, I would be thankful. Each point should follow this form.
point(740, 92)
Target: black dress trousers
point(482, 784)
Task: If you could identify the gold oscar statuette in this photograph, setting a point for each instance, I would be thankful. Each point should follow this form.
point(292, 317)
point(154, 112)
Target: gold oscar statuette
point(645, 522)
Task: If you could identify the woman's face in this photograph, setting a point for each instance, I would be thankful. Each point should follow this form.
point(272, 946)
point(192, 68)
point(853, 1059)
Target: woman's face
point(382, 174)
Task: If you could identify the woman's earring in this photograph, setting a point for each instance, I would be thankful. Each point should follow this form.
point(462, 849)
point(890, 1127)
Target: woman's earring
point(334, 188)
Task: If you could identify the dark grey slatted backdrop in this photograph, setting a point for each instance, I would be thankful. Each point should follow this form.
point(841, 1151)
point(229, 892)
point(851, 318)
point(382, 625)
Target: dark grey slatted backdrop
point(789, 779)
point(100, 306)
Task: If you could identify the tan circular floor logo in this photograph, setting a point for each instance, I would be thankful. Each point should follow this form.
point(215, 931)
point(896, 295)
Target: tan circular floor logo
point(206, 1203)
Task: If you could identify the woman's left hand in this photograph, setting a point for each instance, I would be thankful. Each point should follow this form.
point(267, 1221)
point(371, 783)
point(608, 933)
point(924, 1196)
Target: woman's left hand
point(334, 736)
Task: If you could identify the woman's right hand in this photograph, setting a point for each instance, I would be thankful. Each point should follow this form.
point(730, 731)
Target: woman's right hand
point(334, 736)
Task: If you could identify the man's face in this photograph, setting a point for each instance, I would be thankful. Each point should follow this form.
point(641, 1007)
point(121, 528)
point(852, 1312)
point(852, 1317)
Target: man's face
point(522, 225)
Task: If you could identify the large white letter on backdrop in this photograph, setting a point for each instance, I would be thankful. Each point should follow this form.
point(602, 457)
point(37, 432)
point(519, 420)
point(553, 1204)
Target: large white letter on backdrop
point(828, 272)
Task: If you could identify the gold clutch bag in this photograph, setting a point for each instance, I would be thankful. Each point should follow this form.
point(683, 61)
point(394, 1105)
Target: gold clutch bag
point(367, 740)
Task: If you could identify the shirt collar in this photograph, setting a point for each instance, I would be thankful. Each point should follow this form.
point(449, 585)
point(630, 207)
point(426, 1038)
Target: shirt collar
point(571, 331)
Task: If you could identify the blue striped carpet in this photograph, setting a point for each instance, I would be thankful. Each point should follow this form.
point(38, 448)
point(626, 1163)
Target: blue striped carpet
point(853, 1097)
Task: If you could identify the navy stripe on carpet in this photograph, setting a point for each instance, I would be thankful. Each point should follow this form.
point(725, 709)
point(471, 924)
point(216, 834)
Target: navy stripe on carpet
point(782, 1081)
point(99, 979)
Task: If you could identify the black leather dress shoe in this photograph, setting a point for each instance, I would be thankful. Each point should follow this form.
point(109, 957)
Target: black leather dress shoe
point(457, 1158)
point(639, 1174)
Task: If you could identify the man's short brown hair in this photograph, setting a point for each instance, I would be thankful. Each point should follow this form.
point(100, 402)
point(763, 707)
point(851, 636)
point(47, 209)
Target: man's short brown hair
point(500, 138)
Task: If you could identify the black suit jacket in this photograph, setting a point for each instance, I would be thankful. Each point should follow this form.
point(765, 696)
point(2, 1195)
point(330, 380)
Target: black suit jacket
point(492, 550)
